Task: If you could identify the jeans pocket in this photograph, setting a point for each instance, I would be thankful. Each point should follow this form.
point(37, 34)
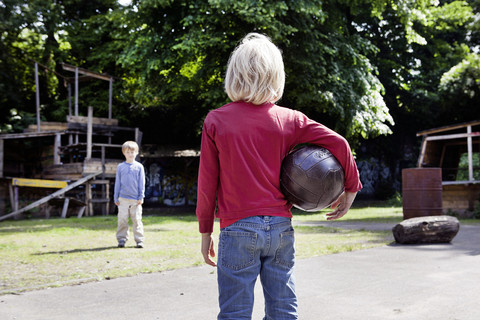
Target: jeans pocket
point(237, 249)
point(285, 254)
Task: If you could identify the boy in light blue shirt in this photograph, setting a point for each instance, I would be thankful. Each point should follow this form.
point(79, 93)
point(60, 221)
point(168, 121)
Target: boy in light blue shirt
point(128, 195)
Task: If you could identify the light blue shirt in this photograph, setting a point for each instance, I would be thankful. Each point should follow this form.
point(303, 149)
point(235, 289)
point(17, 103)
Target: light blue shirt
point(129, 181)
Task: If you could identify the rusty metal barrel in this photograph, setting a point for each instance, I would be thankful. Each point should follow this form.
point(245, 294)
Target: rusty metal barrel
point(421, 192)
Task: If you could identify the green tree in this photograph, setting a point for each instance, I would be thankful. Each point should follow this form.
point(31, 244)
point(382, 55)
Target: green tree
point(337, 55)
point(178, 52)
point(411, 69)
point(460, 91)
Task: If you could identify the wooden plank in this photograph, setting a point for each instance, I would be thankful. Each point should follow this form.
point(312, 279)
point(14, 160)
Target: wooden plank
point(453, 136)
point(70, 80)
point(101, 181)
point(95, 120)
point(47, 126)
point(30, 134)
point(82, 127)
point(53, 195)
point(448, 128)
point(38, 183)
point(86, 72)
point(460, 198)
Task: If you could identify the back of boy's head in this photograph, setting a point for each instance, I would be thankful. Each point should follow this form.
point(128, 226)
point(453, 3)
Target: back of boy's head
point(255, 71)
point(130, 145)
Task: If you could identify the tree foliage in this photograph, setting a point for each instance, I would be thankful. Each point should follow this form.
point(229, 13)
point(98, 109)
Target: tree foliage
point(180, 50)
point(362, 67)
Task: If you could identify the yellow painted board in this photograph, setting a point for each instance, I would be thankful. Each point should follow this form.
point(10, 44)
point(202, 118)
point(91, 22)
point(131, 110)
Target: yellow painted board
point(38, 183)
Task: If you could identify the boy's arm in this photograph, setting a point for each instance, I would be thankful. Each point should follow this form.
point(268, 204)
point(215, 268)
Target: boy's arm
point(310, 131)
point(141, 185)
point(116, 191)
point(208, 175)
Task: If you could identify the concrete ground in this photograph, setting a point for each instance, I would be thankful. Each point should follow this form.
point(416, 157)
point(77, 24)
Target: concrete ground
point(417, 282)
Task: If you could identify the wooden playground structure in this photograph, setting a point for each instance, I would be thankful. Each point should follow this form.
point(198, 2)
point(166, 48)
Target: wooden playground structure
point(444, 148)
point(82, 152)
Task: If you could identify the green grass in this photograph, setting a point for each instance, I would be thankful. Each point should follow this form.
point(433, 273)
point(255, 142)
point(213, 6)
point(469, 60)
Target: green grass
point(36, 254)
point(368, 213)
point(55, 252)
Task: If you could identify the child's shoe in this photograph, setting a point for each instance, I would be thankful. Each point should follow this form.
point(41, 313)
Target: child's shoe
point(121, 244)
point(140, 245)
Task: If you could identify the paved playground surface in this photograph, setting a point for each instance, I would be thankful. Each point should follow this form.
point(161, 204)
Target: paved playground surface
point(415, 282)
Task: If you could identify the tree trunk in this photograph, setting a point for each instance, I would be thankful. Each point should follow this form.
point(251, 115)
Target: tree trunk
point(428, 229)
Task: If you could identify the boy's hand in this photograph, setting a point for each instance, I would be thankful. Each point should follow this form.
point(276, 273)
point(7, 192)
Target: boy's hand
point(341, 205)
point(208, 249)
point(139, 202)
point(117, 203)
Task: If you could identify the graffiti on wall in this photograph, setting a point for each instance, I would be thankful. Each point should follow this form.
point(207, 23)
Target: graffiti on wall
point(169, 185)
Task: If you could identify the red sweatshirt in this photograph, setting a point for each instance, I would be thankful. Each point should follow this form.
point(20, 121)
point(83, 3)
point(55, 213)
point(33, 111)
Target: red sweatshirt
point(242, 149)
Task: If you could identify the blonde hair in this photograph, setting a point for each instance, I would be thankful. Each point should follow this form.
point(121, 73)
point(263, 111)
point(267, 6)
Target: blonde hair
point(130, 145)
point(255, 71)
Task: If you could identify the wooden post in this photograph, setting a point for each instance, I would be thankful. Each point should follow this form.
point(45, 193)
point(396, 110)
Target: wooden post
point(107, 197)
point(470, 156)
point(81, 211)
point(88, 199)
point(12, 197)
point(76, 91)
point(69, 87)
point(104, 208)
point(422, 152)
point(137, 140)
point(1, 157)
point(56, 148)
point(65, 207)
point(47, 211)
point(76, 100)
point(103, 162)
point(37, 96)
point(15, 198)
point(110, 95)
point(89, 133)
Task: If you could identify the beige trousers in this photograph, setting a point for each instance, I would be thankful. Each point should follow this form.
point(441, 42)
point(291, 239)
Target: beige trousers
point(129, 208)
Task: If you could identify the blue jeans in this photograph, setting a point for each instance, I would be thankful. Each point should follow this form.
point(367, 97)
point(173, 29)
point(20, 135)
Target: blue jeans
point(260, 245)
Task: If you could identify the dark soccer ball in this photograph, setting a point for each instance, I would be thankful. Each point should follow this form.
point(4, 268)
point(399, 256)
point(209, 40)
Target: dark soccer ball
point(311, 178)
